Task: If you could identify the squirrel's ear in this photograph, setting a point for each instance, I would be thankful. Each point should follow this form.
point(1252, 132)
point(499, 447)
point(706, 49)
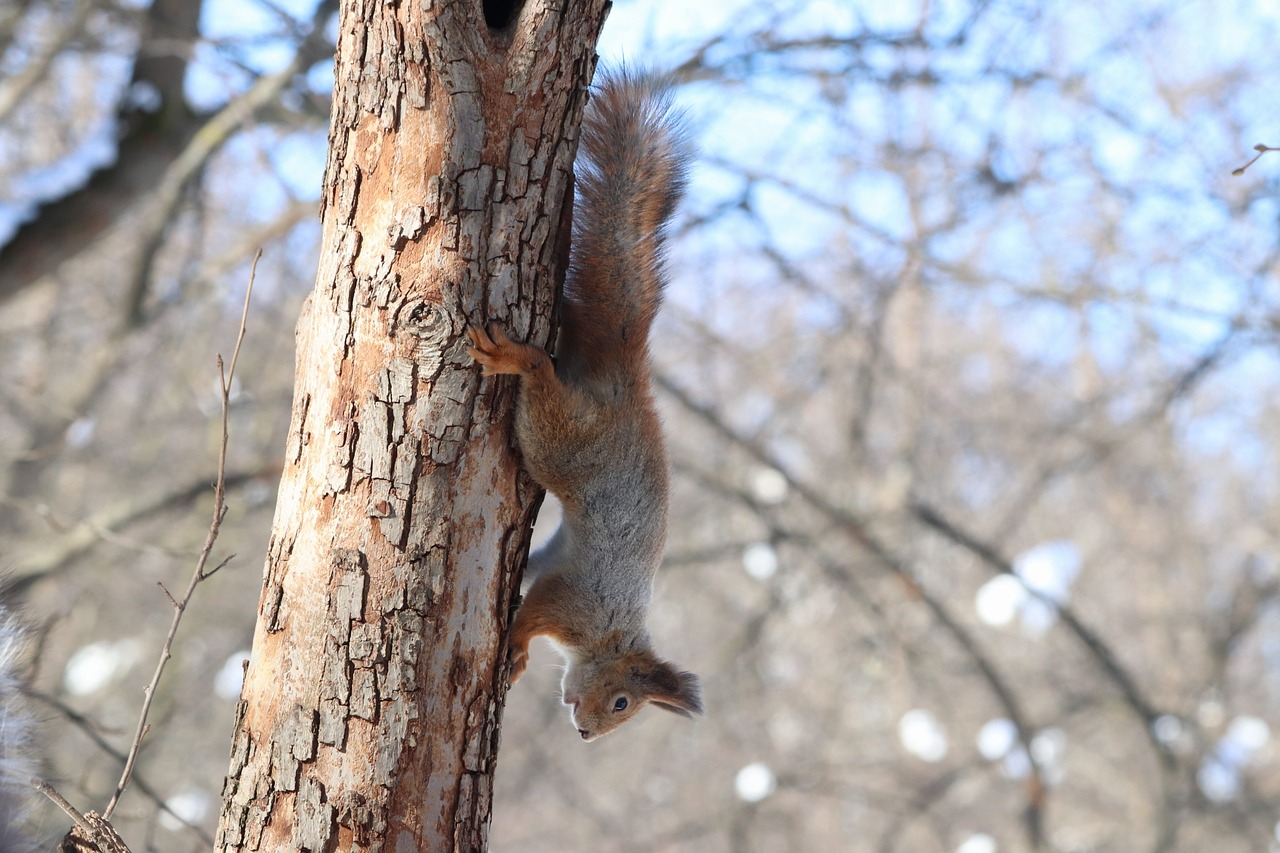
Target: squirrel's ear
point(673, 689)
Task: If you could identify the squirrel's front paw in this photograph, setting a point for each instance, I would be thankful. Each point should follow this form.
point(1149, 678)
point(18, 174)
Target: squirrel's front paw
point(491, 349)
point(497, 353)
point(519, 663)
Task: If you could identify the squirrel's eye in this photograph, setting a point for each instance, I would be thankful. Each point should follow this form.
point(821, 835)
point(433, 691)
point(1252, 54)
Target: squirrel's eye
point(620, 704)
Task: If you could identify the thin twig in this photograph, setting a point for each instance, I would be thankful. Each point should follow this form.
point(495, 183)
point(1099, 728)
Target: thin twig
point(96, 830)
point(61, 802)
point(220, 566)
point(168, 594)
point(219, 512)
point(1261, 149)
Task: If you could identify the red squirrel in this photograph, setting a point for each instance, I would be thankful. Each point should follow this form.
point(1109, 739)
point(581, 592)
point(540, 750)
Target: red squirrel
point(587, 425)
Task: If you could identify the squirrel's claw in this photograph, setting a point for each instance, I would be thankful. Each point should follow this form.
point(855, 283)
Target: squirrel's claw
point(519, 663)
point(483, 350)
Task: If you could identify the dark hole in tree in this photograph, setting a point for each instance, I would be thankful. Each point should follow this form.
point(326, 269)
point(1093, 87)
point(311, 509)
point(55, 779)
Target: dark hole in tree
point(498, 13)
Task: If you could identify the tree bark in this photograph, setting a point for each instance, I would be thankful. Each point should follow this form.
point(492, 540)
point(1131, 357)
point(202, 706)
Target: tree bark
point(371, 707)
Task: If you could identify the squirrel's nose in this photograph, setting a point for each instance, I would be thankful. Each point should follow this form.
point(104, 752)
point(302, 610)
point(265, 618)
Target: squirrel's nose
point(585, 734)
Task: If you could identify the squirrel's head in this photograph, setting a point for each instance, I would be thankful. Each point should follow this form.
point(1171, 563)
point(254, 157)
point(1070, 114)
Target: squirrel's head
point(604, 694)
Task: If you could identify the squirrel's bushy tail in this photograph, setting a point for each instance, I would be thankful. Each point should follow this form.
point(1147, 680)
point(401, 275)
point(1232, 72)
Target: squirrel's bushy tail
point(633, 158)
point(16, 767)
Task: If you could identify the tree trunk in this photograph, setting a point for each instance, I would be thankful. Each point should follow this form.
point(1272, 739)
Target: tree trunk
point(371, 707)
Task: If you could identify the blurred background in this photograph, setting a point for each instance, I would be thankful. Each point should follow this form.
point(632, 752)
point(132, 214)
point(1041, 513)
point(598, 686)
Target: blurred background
point(969, 369)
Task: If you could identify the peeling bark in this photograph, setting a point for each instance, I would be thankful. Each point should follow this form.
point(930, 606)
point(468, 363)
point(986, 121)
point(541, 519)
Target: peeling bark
point(371, 707)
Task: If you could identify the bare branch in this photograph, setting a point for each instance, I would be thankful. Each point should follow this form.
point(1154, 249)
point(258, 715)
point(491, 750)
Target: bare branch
point(1261, 149)
point(91, 832)
point(219, 512)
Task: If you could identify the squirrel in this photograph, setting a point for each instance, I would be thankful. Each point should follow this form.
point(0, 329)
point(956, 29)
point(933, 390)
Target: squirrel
point(587, 425)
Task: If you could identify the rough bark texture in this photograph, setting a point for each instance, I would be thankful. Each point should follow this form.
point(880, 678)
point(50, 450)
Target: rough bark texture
point(370, 712)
